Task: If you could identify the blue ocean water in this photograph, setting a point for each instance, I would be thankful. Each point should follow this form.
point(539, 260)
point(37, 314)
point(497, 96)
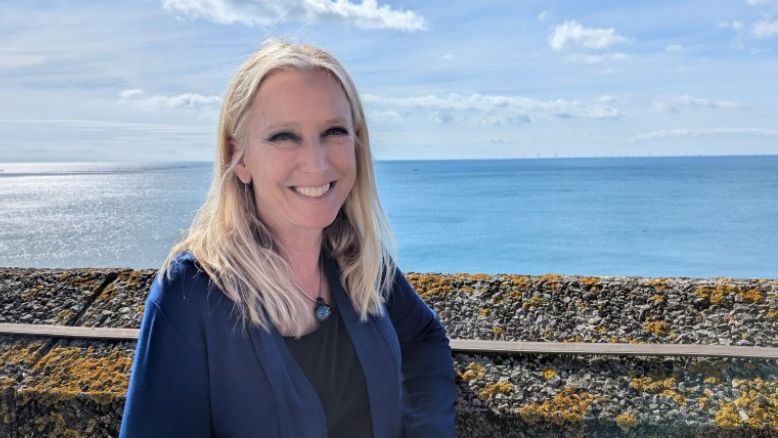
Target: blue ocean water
point(654, 216)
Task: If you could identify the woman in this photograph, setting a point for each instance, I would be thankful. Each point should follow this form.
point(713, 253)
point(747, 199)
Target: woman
point(291, 246)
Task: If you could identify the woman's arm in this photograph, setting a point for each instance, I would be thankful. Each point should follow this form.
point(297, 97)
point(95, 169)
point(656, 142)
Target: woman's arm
point(427, 364)
point(168, 389)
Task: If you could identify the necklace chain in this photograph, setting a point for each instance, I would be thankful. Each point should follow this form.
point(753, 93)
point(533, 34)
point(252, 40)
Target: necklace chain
point(315, 300)
point(322, 310)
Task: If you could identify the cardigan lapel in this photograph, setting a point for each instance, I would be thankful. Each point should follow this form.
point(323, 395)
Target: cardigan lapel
point(300, 410)
point(378, 355)
point(377, 349)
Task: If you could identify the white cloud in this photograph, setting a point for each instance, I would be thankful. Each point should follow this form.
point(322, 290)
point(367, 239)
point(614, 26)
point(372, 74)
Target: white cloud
point(734, 25)
point(366, 15)
point(383, 115)
point(765, 28)
point(762, 2)
point(669, 133)
point(503, 120)
point(674, 104)
point(127, 94)
point(191, 101)
point(589, 58)
point(543, 16)
point(495, 109)
point(673, 47)
point(572, 33)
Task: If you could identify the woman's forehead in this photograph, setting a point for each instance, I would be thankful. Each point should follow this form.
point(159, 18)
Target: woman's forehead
point(296, 96)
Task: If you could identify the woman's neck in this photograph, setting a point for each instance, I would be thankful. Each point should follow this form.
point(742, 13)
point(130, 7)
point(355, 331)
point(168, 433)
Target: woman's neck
point(302, 251)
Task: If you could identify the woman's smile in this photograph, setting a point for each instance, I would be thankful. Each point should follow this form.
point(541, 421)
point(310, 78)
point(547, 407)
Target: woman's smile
point(313, 191)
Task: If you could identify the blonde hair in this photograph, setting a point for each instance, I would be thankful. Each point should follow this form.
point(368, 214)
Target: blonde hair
point(237, 251)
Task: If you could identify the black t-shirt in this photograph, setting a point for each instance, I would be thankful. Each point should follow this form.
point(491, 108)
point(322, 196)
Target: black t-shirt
point(328, 359)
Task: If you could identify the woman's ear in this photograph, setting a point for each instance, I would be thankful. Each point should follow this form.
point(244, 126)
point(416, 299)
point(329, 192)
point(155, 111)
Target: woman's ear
point(240, 169)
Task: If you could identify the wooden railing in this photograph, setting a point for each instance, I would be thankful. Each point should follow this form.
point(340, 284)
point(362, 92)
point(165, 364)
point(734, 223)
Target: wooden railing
point(457, 345)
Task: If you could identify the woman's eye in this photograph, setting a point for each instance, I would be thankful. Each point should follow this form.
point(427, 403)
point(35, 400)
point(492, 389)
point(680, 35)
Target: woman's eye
point(283, 136)
point(336, 130)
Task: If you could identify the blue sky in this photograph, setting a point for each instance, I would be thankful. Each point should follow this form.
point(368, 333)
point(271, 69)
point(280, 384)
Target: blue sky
point(143, 80)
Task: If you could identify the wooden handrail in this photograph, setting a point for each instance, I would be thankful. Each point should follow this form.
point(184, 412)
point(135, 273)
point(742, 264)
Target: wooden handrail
point(618, 349)
point(457, 345)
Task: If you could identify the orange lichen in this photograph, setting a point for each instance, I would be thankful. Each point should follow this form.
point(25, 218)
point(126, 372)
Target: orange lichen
point(659, 284)
point(756, 407)
point(5, 382)
point(127, 279)
point(658, 327)
point(674, 396)
point(484, 311)
point(751, 295)
point(533, 301)
point(727, 415)
point(648, 384)
point(590, 283)
point(626, 421)
point(657, 298)
point(566, 407)
point(522, 282)
point(717, 294)
point(64, 316)
point(497, 330)
point(428, 285)
point(21, 354)
point(551, 281)
point(73, 370)
point(549, 373)
point(473, 371)
point(492, 389)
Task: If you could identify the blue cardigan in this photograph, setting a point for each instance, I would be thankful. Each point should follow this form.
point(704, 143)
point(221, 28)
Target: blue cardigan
point(197, 374)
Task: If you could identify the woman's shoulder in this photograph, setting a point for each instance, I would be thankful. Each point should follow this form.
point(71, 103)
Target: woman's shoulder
point(405, 300)
point(182, 288)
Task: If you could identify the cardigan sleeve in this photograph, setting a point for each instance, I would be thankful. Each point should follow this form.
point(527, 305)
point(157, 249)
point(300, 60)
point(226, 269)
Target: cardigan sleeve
point(427, 364)
point(167, 393)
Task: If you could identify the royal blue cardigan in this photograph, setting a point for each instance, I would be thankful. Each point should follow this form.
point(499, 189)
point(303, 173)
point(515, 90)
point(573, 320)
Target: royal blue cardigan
point(196, 373)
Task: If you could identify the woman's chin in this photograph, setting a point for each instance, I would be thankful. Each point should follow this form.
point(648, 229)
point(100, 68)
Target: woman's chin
point(319, 223)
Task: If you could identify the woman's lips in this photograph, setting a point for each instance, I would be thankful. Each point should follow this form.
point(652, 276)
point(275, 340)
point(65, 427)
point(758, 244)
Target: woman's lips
point(314, 191)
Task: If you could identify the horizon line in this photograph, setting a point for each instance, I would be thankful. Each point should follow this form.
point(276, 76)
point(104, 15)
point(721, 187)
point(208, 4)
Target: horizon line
point(423, 159)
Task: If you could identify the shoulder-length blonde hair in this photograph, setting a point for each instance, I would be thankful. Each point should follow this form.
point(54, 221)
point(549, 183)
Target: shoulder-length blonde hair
point(237, 251)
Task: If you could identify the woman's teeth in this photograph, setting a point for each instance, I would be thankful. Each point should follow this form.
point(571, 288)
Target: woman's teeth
point(312, 192)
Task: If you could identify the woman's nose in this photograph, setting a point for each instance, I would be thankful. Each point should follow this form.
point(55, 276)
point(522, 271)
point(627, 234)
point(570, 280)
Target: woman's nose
point(315, 155)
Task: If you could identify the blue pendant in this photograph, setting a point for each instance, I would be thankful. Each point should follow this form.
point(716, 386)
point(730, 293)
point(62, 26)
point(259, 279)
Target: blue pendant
point(322, 310)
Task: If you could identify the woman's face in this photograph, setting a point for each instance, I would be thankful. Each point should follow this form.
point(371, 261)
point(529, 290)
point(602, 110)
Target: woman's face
point(300, 151)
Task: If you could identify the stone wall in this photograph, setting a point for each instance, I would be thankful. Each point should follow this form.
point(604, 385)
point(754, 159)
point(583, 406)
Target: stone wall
point(61, 387)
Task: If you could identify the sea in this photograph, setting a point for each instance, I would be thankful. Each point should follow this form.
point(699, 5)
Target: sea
point(714, 216)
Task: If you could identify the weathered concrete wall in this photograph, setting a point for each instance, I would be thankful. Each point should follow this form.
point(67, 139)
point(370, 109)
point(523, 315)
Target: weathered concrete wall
point(59, 387)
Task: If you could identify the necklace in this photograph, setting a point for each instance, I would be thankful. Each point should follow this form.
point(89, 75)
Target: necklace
point(322, 311)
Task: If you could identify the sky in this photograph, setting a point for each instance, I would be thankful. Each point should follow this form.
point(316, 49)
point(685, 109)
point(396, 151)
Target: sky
point(143, 80)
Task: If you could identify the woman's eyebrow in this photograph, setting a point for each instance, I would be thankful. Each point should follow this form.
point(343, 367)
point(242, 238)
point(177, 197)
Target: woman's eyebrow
point(335, 121)
point(294, 125)
point(281, 126)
